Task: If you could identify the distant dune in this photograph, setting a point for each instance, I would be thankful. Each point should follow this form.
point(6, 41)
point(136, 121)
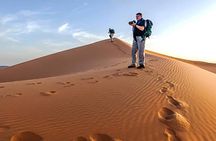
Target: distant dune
point(3, 67)
point(204, 65)
point(89, 94)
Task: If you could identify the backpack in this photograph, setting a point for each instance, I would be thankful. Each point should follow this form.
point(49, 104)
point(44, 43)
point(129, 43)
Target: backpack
point(148, 28)
point(112, 31)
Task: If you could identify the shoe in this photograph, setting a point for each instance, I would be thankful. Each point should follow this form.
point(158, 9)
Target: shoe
point(141, 66)
point(132, 66)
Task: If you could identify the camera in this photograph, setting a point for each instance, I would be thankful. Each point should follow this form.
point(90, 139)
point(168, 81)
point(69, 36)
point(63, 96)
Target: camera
point(131, 22)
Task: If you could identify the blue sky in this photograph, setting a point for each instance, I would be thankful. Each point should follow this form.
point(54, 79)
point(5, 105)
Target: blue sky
point(30, 29)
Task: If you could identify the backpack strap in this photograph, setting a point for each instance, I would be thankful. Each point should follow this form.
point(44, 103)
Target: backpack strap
point(145, 23)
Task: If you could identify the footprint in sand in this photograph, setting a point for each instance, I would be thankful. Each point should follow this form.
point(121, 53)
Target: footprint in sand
point(34, 83)
point(163, 90)
point(12, 95)
point(49, 93)
point(130, 74)
point(26, 136)
point(173, 119)
point(69, 85)
point(171, 135)
point(177, 103)
point(18, 94)
point(89, 78)
point(115, 64)
point(149, 71)
point(4, 128)
point(107, 76)
point(116, 74)
point(153, 60)
point(160, 77)
point(93, 82)
point(81, 139)
point(97, 137)
point(171, 85)
point(66, 84)
point(102, 137)
point(30, 83)
point(8, 95)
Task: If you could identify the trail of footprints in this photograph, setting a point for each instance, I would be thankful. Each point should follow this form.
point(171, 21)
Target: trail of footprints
point(174, 121)
point(92, 80)
point(46, 93)
point(11, 95)
point(89, 80)
point(118, 73)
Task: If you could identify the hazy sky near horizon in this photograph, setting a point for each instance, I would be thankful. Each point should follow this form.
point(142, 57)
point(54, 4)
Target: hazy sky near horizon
point(33, 28)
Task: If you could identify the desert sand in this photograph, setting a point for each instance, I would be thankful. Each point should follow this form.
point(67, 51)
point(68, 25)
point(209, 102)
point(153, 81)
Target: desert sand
point(88, 94)
point(204, 65)
point(207, 66)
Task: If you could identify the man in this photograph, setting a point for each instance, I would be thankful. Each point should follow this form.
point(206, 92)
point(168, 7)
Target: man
point(138, 41)
point(111, 33)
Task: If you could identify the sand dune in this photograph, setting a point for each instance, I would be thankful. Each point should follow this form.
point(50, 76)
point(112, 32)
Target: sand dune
point(207, 66)
point(204, 65)
point(170, 100)
point(97, 55)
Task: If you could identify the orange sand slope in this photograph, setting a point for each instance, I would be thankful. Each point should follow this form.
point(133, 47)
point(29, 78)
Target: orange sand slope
point(204, 65)
point(97, 55)
point(207, 66)
point(92, 95)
